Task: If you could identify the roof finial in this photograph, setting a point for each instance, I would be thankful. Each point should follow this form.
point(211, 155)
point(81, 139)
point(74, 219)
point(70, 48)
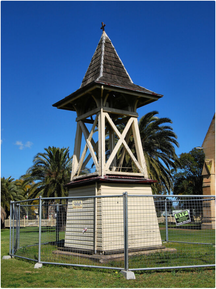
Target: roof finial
point(103, 26)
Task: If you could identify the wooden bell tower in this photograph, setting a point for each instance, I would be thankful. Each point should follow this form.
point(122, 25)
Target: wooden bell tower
point(107, 100)
point(108, 155)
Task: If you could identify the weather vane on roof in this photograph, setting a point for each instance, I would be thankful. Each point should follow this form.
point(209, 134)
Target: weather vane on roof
point(103, 26)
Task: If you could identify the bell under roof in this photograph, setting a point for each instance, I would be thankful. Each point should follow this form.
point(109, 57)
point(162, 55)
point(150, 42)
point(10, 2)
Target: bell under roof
point(106, 68)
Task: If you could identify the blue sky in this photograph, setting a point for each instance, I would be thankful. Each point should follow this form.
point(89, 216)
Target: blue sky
point(46, 47)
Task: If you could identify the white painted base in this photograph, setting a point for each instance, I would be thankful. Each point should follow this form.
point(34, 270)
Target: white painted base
point(7, 257)
point(107, 222)
point(128, 274)
point(38, 265)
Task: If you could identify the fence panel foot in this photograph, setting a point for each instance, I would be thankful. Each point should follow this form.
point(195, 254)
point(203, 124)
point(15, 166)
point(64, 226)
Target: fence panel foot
point(7, 257)
point(128, 274)
point(38, 265)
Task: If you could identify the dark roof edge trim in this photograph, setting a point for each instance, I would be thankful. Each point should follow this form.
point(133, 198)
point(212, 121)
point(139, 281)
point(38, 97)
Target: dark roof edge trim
point(88, 181)
point(95, 84)
point(149, 92)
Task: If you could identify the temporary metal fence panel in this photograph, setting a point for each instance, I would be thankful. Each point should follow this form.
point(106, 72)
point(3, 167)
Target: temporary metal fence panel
point(25, 229)
point(187, 231)
point(119, 232)
point(86, 232)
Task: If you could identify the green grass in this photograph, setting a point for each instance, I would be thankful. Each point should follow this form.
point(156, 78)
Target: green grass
point(186, 235)
point(21, 273)
point(187, 254)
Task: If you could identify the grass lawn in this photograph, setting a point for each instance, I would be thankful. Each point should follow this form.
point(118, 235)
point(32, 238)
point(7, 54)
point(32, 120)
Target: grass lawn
point(21, 273)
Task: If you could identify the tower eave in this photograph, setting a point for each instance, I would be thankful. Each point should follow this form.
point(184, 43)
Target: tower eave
point(132, 89)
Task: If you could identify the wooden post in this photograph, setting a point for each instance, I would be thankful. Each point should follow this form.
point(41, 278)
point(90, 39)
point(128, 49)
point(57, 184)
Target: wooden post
point(101, 141)
point(77, 147)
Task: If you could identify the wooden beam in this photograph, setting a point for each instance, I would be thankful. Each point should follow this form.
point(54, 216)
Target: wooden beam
point(89, 155)
point(88, 138)
point(81, 159)
point(124, 150)
point(138, 146)
point(105, 99)
point(120, 141)
point(95, 146)
point(124, 173)
point(87, 114)
point(78, 96)
point(77, 147)
point(86, 145)
point(88, 121)
point(120, 111)
point(101, 141)
point(112, 144)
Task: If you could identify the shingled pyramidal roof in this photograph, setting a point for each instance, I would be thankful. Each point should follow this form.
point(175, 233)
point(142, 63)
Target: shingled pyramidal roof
point(107, 68)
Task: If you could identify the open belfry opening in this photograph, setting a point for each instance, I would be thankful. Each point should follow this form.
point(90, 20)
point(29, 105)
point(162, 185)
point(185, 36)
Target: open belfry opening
point(108, 158)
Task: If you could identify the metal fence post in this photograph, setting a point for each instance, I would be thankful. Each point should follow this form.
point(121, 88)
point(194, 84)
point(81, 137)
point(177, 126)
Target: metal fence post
point(18, 227)
point(10, 227)
point(40, 217)
point(13, 229)
point(166, 220)
point(57, 223)
point(125, 216)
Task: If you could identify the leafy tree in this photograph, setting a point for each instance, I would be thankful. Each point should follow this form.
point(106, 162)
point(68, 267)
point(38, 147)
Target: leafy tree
point(24, 188)
point(49, 173)
point(3, 217)
point(188, 178)
point(27, 192)
point(160, 205)
point(9, 192)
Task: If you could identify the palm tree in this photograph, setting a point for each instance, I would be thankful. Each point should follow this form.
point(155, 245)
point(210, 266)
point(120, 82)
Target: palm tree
point(9, 192)
point(159, 141)
point(49, 173)
point(3, 217)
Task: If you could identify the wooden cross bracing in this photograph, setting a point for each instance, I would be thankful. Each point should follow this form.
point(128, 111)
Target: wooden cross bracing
point(97, 149)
